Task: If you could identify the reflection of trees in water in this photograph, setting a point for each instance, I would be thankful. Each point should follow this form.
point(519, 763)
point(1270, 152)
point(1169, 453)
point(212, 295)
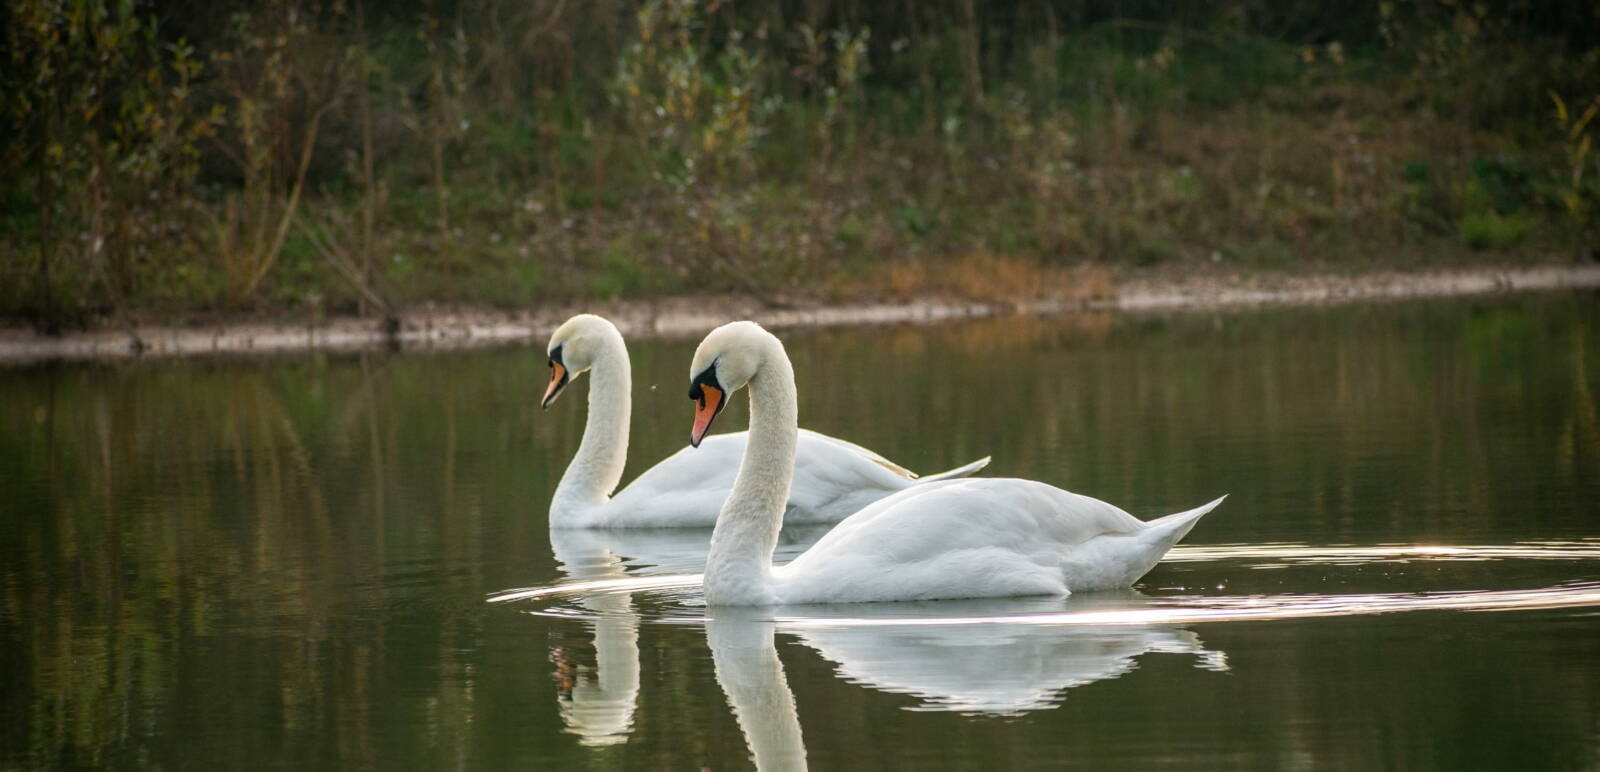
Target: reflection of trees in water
point(1578, 444)
point(170, 498)
point(188, 522)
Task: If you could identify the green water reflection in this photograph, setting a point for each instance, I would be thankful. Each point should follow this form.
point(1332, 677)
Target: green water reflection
point(284, 561)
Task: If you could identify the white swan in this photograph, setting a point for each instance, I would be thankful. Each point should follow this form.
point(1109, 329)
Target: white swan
point(832, 478)
point(951, 539)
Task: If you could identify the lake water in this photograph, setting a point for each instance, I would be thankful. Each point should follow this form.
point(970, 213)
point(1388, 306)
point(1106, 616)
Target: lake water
point(287, 562)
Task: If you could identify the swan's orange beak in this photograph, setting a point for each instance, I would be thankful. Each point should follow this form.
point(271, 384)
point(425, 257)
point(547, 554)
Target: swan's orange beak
point(558, 381)
point(707, 406)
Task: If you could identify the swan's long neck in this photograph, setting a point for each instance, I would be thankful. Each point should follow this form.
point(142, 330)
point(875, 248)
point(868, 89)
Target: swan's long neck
point(597, 467)
point(739, 565)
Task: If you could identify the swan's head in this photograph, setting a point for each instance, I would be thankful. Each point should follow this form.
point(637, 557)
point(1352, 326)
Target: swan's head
point(573, 349)
point(723, 364)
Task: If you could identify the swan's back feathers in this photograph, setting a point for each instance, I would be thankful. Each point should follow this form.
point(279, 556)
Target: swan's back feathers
point(980, 537)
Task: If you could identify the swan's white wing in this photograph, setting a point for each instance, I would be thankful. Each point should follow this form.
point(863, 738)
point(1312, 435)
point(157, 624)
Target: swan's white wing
point(1024, 515)
point(956, 539)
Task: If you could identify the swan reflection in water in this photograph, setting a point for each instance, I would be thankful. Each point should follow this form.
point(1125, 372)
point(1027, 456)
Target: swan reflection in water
point(977, 666)
point(598, 704)
point(984, 666)
point(748, 670)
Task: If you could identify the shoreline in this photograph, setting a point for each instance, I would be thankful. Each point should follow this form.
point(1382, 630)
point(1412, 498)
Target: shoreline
point(689, 316)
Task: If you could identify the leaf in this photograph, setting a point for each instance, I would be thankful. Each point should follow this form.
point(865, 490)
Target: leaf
point(1583, 122)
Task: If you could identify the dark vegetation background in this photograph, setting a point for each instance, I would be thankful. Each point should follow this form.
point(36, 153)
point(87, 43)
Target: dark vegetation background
point(170, 158)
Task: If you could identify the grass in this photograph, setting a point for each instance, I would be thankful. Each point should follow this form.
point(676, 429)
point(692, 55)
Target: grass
point(1488, 230)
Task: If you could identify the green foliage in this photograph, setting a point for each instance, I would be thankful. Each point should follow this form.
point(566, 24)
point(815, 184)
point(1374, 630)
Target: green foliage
point(104, 137)
point(699, 111)
point(275, 79)
point(1505, 184)
point(320, 154)
point(915, 219)
point(619, 276)
point(1488, 229)
point(1492, 63)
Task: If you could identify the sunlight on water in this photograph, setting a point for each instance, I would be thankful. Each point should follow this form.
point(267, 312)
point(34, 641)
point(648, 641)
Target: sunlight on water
point(1248, 608)
point(629, 584)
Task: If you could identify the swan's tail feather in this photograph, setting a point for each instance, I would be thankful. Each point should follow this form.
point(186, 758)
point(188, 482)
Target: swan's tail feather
point(1107, 563)
point(961, 471)
point(1168, 530)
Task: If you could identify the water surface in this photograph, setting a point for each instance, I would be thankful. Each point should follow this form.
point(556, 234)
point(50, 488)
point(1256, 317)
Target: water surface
point(270, 562)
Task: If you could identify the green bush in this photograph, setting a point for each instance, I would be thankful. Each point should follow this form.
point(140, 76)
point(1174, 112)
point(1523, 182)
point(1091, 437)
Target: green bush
point(1490, 230)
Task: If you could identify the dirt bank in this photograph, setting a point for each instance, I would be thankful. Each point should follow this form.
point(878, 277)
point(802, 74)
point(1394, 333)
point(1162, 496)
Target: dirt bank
point(684, 317)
